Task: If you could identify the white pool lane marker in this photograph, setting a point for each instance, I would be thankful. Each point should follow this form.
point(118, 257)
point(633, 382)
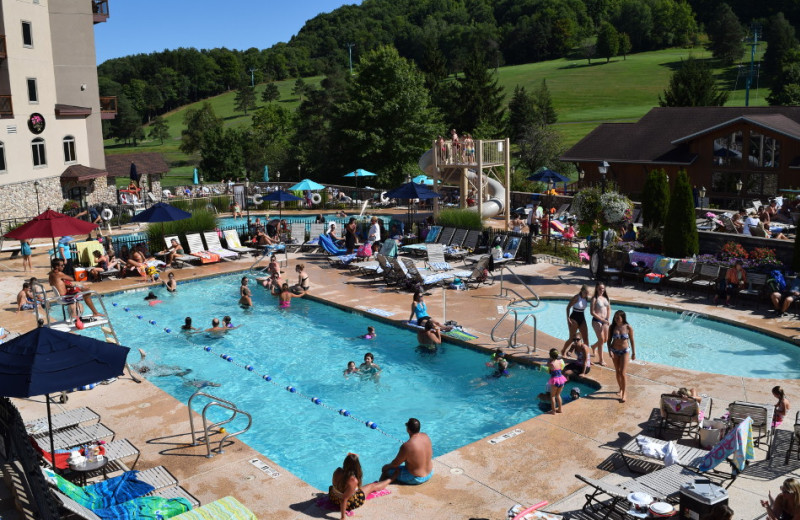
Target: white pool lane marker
point(506, 436)
point(262, 466)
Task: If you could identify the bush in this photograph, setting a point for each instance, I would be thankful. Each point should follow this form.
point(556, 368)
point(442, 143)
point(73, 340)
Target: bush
point(655, 199)
point(460, 218)
point(70, 205)
point(652, 240)
point(199, 221)
point(680, 230)
point(556, 248)
point(733, 251)
point(221, 203)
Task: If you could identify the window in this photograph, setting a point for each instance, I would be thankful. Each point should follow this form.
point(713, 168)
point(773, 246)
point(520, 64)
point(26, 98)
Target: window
point(27, 34)
point(69, 149)
point(39, 157)
point(765, 151)
point(33, 95)
point(2, 157)
point(728, 150)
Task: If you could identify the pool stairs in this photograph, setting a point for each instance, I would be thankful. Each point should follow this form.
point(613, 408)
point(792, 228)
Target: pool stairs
point(518, 307)
point(210, 429)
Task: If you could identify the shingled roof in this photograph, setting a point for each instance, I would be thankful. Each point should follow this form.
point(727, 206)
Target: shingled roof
point(146, 164)
point(79, 172)
point(661, 135)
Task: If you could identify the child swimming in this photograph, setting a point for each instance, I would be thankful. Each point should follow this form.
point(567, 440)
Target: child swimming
point(351, 368)
point(370, 333)
point(500, 362)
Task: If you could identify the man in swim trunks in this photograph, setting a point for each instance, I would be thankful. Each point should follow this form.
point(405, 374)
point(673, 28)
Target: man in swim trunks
point(431, 335)
point(413, 464)
point(215, 329)
point(65, 285)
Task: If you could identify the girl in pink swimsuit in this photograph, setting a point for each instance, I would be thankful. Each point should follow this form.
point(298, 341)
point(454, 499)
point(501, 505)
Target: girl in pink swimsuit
point(285, 296)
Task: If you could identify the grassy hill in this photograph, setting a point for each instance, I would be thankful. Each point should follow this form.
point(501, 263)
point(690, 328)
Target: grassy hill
point(584, 95)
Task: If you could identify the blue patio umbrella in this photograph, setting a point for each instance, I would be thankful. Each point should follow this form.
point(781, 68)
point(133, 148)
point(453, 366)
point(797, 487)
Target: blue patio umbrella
point(266, 173)
point(360, 173)
point(423, 179)
point(45, 361)
point(412, 190)
point(195, 177)
point(307, 184)
point(280, 196)
point(161, 212)
point(547, 176)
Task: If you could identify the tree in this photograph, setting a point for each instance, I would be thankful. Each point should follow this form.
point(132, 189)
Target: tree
point(124, 126)
point(624, 45)
point(787, 92)
point(222, 152)
point(692, 85)
point(521, 113)
point(588, 49)
point(245, 98)
point(159, 129)
point(680, 233)
point(270, 93)
point(781, 40)
point(543, 103)
point(198, 122)
point(655, 199)
point(540, 146)
point(480, 98)
point(299, 89)
point(607, 41)
point(270, 138)
point(726, 35)
point(388, 121)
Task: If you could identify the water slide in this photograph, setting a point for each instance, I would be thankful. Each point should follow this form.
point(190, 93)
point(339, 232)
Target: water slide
point(496, 191)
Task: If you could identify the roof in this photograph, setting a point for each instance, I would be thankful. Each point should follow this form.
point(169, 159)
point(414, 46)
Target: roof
point(79, 172)
point(119, 165)
point(661, 136)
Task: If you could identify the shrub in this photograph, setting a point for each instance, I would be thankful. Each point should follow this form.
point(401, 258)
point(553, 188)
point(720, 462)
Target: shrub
point(221, 202)
point(764, 257)
point(70, 205)
point(655, 199)
point(199, 221)
point(556, 248)
point(460, 218)
point(611, 209)
point(651, 239)
point(680, 230)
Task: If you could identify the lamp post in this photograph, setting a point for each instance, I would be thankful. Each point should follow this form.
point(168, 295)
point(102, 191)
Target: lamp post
point(739, 185)
point(247, 196)
point(581, 175)
point(702, 193)
point(36, 188)
point(298, 173)
point(603, 170)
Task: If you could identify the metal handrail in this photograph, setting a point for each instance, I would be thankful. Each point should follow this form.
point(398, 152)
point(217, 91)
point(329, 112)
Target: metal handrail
point(512, 339)
point(520, 298)
point(222, 403)
point(519, 280)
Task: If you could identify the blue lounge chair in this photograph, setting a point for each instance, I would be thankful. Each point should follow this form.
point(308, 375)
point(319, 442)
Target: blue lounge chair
point(336, 256)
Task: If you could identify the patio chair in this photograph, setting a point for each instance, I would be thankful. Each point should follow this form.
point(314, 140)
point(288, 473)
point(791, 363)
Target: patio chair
point(435, 259)
point(227, 507)
point(189, 259)
point(232, 239)
point(196, 249)
point(337, 257)
point(480, 274)
point(795, 441)
point(73, 436)
point(728, 223)
point(215, 246)
point(471, 240)
point(376, 267)
point(706, 278)
point(758, 231)
point(431, 238)
point(682, 274)
point(755, 286)
point(682, 414)
point(509, 251)
point(312, 244)
point(297, 236)
point(499, 240)
point(62, 420)
point(761, 414)
point(425, 279)
point(458, 237)
point(446, 236)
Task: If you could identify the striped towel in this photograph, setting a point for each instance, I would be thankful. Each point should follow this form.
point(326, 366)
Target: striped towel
point(227, 508)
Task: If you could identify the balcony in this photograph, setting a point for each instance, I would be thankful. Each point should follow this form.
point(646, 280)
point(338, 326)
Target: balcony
point(108, 107)
point(100, 10)
point(6, 108)
point(3, 54)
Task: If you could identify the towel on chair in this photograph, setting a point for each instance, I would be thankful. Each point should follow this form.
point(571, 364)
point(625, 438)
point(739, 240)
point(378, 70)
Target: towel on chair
point(738, 443)
point(105, 493)
point(145, 508)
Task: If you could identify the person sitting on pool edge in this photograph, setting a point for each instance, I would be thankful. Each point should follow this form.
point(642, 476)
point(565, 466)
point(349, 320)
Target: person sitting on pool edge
point(346, 490)
point(413, 464)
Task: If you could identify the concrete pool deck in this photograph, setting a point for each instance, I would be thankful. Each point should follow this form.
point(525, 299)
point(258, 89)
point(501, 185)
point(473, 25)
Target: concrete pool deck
point(480, 480)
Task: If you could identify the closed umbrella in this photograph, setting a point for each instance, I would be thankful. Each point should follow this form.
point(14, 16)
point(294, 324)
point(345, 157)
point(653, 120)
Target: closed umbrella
point(266, 173)
point(195, 177)
point(51, 224)
point(280, 196)
point(46, 361)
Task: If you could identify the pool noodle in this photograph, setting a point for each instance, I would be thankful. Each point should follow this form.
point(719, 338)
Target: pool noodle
point(530, 510)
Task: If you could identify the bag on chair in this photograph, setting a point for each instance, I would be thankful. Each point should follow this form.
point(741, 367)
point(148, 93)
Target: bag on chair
point(365, 251)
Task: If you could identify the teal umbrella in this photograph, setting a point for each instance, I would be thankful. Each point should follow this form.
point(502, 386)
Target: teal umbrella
point(307, 184)
point(360, 173)
point(422, 179)
point(266, 173)
point(196, 178)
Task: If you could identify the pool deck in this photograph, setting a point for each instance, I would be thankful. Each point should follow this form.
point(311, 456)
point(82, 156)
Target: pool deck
point(480, 480)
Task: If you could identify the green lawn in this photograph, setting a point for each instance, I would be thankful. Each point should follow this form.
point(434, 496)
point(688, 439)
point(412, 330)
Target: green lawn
point(584, 96)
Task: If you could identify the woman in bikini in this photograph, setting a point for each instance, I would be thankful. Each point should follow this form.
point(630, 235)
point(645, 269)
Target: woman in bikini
point(601, 319)
point(245, 298)
point(576, 318)
point(346, 490)
point(302, 279)
point(786, 506)
point(285, 296)
point(622, 349)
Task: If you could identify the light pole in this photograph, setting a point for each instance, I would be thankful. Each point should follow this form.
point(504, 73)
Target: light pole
point(252, 77)
point(702, 193)
point(739, 185)
point(603, 169)
point(298, 173)
point(581, 175)
point(36, 188)
point(247, 197)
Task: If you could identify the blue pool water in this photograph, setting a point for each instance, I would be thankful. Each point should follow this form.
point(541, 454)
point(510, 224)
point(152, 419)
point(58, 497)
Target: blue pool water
point(706, 345)
point(308, 347)
point(230, 221)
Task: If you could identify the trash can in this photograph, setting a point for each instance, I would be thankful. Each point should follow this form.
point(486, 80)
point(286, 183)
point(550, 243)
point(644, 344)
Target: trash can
point(711, 433)
point(698, 498)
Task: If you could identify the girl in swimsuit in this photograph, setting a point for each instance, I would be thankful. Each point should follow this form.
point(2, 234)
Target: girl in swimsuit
point(786, 506)
point(346, 490)
point(576, 319)
point(622, 349)
point(302, 278)
point(557, 380)
point(601, 319)
point(285, 296)
point(273, 266)
point(170, 283)
point(420, 309)
point(245, 298)
point(781, 407)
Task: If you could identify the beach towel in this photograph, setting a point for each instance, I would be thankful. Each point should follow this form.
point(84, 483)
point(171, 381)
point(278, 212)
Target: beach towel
point(227, 508)
point(105, 493)
point(145, 508)
point(324, 502)
point(738, 443)
point(460, 334)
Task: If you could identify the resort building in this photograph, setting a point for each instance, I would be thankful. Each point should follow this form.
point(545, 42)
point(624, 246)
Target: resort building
point(734, 152)
point(51, 140)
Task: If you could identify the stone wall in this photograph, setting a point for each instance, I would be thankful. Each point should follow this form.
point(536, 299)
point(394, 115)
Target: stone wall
point(711, 243)
point(19, 199)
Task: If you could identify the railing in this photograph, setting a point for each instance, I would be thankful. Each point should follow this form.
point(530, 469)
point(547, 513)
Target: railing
point(465, 153)
point(6, 107)
point(3, 54)
point(108, 107)
point(512, 338)
point(100, 11)
point(222, 403)
point(519, 280)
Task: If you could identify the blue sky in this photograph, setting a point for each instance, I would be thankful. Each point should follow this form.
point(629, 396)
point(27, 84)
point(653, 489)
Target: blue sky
point(144, 26)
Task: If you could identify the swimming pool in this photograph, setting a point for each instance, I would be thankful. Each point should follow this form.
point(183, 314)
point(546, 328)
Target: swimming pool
point(690, 341)
point(265, 217)
point(308, 347)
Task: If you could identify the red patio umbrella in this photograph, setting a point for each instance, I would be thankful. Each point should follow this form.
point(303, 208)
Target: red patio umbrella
point(51, 224)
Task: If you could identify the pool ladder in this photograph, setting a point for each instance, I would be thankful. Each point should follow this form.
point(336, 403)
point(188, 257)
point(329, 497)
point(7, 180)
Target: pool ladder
point(518, 324)
point(221, 403)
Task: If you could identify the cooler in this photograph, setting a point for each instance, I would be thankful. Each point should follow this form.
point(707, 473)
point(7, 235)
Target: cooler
point(81, 275)
point(698, 498)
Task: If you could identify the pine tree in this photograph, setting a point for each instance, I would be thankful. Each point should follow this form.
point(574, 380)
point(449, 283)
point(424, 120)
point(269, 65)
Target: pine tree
point(781, 39)
point(545, 111)
point(522, 113)
point(624, 45)
point(692, 85)
point(300, 88)
point(726, 34)
point(270, 93)
point(159, 129)
point(655, 199)
point(245, 98)
point(480, 98)
point(680, 231)
point(607, 41)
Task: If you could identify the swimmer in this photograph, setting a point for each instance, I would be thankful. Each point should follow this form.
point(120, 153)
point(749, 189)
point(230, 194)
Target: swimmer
point(370, 333)
point(215, 330)
point(152, 298)
point(187, 325)
point(369, 366)
point(226, 322)
point(156, 370)
point(274, 267)
point(500, 362)
point(170, 283)
point(431, 335)
point(200, 383)
point(245, 298)
point(351, 368)
point(285, 296)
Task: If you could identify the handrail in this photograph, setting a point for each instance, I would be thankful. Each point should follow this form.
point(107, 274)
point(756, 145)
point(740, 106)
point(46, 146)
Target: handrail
point(512, 339)
point(223, 403)
point(521, 299)
point(519, 280)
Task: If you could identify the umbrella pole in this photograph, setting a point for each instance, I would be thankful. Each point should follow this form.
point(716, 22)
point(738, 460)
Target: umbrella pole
point(50, 428)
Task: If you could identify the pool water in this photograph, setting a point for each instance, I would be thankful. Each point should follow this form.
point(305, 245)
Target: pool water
point(231, 222)
point(689, 341)
point(308, 347)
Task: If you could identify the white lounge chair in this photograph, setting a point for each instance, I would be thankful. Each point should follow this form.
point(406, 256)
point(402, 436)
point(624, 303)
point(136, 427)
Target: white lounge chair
point(232, 239)
point(213, 244)
point(196, 249)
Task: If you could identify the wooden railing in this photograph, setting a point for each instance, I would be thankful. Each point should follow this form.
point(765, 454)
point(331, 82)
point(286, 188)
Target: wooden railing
point(108, 107)
point(6, 108)
point(3, 54)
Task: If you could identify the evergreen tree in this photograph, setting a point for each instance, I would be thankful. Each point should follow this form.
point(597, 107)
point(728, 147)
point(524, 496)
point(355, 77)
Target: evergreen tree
point(480, 98)
point(692, 85)
point(159, 129)
point(680, 233)
point(726, 35)
point(222, 152)
point(124, 126)
point(543, 101)
point(245, 98)
point(299, 89)
point(655, 199)
point(607, 41)
point(787, 92)
point(521, 113)
point(270, 93)
point(781, 40)
point(540, 146)
point(198, 121)
point(624, 45)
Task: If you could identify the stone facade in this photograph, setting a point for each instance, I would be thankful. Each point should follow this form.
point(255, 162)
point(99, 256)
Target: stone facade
point(19, 199)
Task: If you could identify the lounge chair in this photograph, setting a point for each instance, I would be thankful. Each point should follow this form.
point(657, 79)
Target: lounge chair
point(297, 236)
point(315, 230)
point(337, 257)
point(425, 279)
point(431, 238)
point(62, 420)
point(114, 451)
point(73, 436)
point(435, 260)
point(232, 239)
point(458, 237)
point(189, 259)
point(795, 442)
point(729, 226)
point(509, 251)
point(471, 241)
point(196, 249)
point(480, 274)
point(682, 414)
point(706, 277)
point(446, 236)
point(758, 231)
point(228, 508)
point(498, 240)
point(761, 414)
point(562, 210)
point(215, 246)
